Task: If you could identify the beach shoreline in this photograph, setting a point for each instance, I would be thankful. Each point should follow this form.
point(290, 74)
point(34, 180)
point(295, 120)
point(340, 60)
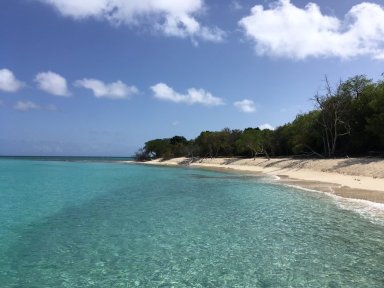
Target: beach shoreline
point(353, 178)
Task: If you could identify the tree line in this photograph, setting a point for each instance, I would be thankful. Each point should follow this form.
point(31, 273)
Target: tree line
point(347, 120)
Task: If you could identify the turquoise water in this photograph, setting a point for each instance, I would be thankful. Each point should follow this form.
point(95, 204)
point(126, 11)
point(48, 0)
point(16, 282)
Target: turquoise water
point(70, 224)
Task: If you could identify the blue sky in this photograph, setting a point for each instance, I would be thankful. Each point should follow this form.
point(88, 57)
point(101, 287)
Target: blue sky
point(101, 77)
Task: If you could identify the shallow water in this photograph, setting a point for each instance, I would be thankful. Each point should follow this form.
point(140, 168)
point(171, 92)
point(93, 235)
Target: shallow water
point(69, 224)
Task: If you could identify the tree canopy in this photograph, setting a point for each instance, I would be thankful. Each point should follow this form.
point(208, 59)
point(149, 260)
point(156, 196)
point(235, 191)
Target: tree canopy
point(347, 120)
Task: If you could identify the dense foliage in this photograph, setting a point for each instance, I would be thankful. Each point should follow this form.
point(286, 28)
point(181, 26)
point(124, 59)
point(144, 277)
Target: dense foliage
point(347, 120)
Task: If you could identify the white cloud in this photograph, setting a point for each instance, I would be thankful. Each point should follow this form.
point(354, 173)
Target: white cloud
point(266, 126)
point(247, 106)
point(194, 96)
point(50, 107)
point(114, 90)
point(26, 106)
point(52, 83)
point(285, 30)
point(235, 5)
point(8, 81)
point(170, 17)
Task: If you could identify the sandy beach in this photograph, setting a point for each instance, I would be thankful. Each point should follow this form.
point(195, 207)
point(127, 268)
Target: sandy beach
point(356, 178)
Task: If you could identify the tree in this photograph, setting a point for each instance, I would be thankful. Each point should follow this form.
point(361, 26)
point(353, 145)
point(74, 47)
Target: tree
point(158, 148)
point(334, 108)
point(192, 149)
point(227, 139)
point(254, 141)
point(362, 138)
point(178, 146)
point(266, 143)
point(249, 142)
point(375, 121)
point(281, 140)
point(204, 141)
point(348, 120)
point(178, 140)
point(355, 86)
point(141, 155)
point(305, 137)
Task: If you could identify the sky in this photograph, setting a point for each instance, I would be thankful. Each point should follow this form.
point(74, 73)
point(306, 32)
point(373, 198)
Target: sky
point(102, 77)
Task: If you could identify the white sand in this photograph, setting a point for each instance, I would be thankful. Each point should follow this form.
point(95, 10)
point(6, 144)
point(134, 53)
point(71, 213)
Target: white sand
point(359, 178)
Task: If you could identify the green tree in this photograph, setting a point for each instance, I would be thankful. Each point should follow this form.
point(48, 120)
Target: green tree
point(158, 148)
point(362, 138)
point(227, 139)
point(335, 108)
point(348, 119)
point(305, 137)
point(249, 142)
point(209, 144)
point(375, 121)
point(354, 86)
point(178, 146)
point(254, 141)
point(281, 140)
point(141, 155)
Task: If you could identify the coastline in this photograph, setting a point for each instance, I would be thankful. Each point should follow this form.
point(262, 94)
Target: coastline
point(353, 178)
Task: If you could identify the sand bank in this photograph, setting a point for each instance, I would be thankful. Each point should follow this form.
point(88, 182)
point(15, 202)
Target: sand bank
point(357, 178)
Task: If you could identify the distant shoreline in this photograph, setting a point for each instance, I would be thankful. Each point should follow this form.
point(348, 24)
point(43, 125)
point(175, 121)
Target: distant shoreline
point(355, 178)
point(92, 159)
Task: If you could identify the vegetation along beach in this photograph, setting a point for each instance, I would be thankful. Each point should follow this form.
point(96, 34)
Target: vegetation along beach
point(346, 122)
point(193, 143)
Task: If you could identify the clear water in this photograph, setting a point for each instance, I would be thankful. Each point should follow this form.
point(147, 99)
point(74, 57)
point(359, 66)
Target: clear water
point(69, 224)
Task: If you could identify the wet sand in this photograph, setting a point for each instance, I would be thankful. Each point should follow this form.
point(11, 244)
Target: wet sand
point(356, 178)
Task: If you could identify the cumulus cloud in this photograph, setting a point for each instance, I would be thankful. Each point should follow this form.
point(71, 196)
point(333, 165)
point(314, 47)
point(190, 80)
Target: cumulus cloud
point(170, 17)
point(114, 90)
point(285, 30)
point(266, 126)
point(194, 96)
point(52, 83)
point(246, 105)
point(8, 81)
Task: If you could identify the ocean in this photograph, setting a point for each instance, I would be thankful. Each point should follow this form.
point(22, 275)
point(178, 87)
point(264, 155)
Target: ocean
point(109, 224)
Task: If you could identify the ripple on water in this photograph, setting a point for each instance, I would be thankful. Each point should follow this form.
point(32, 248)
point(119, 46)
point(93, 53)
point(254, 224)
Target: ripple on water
point(135, 226)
